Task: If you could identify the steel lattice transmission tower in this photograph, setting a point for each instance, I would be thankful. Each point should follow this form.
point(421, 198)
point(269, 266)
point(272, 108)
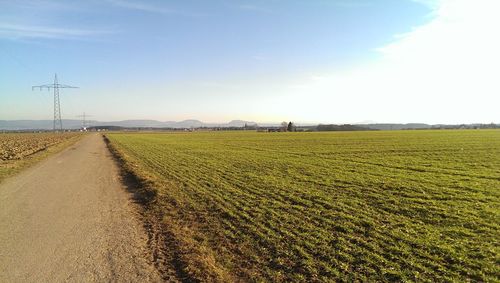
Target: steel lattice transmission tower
point(85, 122)
point(57, 103)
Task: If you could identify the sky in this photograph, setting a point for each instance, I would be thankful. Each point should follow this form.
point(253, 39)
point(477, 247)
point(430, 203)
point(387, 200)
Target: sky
point(309, 61)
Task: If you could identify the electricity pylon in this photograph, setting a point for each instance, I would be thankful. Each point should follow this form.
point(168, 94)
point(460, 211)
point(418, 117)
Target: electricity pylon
point(85, 122)
point(57, 104)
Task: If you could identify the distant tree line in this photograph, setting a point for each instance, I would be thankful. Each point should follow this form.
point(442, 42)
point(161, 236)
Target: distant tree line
point(345, 127)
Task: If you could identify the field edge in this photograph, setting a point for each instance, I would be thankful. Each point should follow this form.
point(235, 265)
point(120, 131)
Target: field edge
point(174, 252)
point(33, 159)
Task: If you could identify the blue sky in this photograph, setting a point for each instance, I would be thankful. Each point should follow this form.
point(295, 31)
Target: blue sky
point(335, 61)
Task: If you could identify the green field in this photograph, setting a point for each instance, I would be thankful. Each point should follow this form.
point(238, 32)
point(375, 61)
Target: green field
point(343, 206)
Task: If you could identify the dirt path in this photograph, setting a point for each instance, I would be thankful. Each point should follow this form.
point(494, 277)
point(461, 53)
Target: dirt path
point(68, 218)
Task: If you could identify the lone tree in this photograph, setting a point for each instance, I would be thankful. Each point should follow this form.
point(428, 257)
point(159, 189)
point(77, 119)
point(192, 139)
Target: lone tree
point(284, 126)
point(290, 127)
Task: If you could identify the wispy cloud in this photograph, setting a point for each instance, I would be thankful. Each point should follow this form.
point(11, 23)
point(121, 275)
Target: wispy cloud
point(351, 3)
point(40, 5)
point(149, 8)
point(433, 4)
point(16, 31)
point(140, 6)
point(254, 8)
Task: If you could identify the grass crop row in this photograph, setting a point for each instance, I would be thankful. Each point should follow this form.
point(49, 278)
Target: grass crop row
point(381, 206)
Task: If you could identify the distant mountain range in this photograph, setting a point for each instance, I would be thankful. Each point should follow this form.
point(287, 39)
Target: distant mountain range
point(11, 125)
point(14, 125)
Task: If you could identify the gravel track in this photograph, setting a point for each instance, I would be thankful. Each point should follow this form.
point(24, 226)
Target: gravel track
point(69, 219)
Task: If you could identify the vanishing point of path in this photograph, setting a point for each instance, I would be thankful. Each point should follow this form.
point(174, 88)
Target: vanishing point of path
point(69, 218)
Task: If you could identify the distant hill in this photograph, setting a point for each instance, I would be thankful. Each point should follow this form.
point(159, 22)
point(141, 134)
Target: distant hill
point(12, 125)
point(345, 127)
point(420, 126)
point(240, 123)
point(397, 126)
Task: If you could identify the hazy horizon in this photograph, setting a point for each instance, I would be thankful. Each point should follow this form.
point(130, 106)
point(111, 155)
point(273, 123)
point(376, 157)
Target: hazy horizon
point(339, 61)
point(227, 122)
